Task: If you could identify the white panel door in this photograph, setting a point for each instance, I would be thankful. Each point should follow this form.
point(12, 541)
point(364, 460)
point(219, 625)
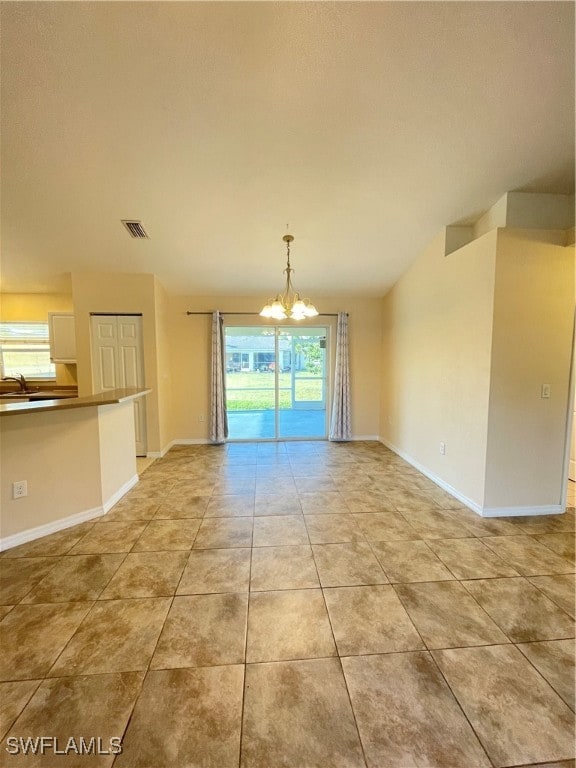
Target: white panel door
point(118, 362)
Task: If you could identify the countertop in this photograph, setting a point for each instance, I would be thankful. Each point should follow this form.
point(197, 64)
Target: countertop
point(91, 401)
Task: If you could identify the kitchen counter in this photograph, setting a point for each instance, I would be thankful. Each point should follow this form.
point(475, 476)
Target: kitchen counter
point(75, 458)
point(102, 398)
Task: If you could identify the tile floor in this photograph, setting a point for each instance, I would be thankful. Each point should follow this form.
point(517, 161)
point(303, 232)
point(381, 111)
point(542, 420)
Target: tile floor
point(293, 605)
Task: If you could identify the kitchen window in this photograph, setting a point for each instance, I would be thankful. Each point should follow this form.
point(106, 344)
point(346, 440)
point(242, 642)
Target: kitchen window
point(25, 349)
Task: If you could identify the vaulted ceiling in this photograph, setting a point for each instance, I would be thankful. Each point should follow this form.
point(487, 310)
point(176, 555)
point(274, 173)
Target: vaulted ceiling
point(366, 127)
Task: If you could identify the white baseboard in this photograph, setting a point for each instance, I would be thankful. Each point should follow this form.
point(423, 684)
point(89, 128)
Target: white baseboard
point(122, 491)
point(53, 527)
point(551, 509)
point(366, 437)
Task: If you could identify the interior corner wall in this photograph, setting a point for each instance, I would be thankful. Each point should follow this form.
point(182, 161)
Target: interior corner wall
point(437, 329)
point(532, 346)
point(34, 307)
point(118, 293)
point(165, 421)
point(189, 339)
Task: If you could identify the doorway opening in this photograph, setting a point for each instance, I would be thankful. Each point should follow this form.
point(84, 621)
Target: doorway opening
point(276, 382)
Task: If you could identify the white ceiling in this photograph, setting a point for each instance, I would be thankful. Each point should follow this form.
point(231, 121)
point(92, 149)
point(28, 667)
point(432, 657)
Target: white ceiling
point(365, 126)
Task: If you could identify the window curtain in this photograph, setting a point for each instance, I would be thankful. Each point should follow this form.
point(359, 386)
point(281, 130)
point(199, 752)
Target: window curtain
point(218, 414)
point(340, 425)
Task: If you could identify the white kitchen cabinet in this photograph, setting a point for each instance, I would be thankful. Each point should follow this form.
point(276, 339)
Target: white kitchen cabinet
point(62, 337)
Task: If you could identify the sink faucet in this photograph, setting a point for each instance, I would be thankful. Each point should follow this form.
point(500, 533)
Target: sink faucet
point(20, 379)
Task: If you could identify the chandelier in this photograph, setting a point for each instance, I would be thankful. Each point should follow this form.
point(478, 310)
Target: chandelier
point(288, 304)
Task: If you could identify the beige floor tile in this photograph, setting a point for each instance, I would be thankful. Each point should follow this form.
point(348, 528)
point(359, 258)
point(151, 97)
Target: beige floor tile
point(323, 502)
point(13, 698)
point(108, 538)
point(277, 504)
point(284, 485)
point(435, 524)
point(297, 714)
point(412, 500)
point(186, 717)
point(203, 631)
point(427, 727)
point(543, 524)
point(385, 526)
point(198, 486)
point(224, 533)
point(528, 556)
point(146, 574)
point(496, 685)
point(19, 575)
point(185, 505)
point(560, 589)
point(447, 616)
point(486, 526)
point(116, 636)
point(409, 561)
point(554, 659)
point(216, 570)
point(130, 511)
point(563, 544)
point(521, 610)
point(292, 624)
point(167, 535)
point(32, 636)
point(347, 565)
point(278, 530)
point(314, 484)
point(370, 620)
point(363, 501)
point(470, 559)
point(77, 577)
point(285, 567)
point(94, 705)
point(55, 544)
point(333, 529)
point(354, 482)
point(235, 485)
point(239, 505)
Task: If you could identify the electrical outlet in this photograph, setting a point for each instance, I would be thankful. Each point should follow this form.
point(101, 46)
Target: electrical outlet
point(443, 448)
point(201, 417)
point(19, 489)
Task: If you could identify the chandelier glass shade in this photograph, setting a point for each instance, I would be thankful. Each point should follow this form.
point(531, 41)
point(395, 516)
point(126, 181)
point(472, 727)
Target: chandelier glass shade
point(288, 304)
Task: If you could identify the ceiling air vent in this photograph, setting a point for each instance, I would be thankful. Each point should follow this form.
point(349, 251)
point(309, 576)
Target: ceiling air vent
point(136, 229)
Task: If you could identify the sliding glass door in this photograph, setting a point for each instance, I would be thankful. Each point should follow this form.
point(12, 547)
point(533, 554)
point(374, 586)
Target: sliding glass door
point(276, 384)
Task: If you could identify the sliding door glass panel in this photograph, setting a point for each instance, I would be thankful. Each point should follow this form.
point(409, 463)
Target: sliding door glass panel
point(251, 382)
point(275, 382)
point(302, 383)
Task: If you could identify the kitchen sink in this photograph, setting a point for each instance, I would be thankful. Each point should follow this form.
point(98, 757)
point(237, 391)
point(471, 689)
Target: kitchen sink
point(36, 394)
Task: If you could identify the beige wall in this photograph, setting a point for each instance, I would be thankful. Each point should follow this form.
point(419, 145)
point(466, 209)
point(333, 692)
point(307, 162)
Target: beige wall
point(116, 435)
point(34, 307)
point(164, 367)
point(119, 293)
point(437, 326)
point(189, 338)
point(468, 341)
point(532, 345)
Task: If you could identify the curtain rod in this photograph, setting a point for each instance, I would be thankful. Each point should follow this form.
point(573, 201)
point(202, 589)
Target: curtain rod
point(320, 314)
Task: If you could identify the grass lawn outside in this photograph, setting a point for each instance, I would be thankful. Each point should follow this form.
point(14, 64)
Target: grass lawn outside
point(255, 391)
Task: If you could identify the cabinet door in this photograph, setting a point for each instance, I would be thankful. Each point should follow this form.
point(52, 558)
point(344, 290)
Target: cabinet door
point(62, 337)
